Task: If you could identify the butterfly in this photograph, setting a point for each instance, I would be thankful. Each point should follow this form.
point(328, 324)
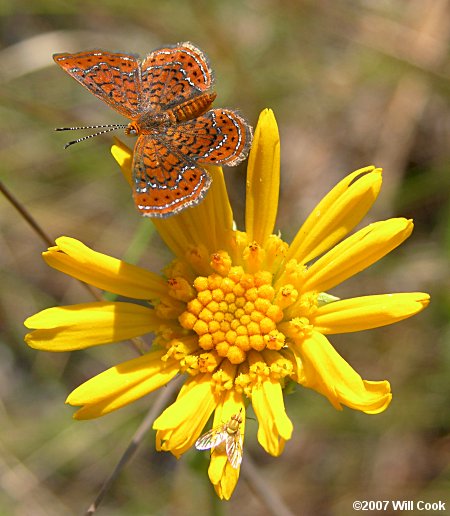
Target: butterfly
point(167, 98)
point(228, 433)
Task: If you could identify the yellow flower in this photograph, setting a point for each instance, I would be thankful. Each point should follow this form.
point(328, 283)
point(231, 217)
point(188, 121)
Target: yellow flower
point(238, 313)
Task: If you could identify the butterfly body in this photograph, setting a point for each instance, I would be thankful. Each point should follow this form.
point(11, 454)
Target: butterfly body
point(167, 98)
point(156, 123)
point(192, 108)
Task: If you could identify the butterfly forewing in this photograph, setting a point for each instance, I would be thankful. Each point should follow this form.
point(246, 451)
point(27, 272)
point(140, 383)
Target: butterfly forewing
point(113, 78)
point(173, 75)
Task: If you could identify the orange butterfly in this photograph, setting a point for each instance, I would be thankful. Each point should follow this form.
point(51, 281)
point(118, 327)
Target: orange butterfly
point(167, 97)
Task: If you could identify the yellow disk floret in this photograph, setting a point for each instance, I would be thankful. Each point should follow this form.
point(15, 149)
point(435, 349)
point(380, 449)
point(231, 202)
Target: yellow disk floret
point(234, 311)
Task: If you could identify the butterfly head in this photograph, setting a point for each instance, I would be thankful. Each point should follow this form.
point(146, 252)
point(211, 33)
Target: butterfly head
point(148, 123)
point(132, 129)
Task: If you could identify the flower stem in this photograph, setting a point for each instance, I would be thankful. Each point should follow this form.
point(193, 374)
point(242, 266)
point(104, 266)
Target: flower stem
point(161, 401)
point(263, 490)
point(26, 215)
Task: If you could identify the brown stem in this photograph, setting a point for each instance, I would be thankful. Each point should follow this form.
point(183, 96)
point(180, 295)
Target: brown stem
point(161, 401)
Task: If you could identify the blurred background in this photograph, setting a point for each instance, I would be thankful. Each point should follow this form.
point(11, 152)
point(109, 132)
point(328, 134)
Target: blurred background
point(352, 83)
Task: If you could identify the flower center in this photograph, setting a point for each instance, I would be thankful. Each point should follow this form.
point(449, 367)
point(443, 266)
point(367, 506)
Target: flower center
point(234, 312)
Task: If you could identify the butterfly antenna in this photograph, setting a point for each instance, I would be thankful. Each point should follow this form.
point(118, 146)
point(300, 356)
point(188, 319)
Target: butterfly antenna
point(107, 128)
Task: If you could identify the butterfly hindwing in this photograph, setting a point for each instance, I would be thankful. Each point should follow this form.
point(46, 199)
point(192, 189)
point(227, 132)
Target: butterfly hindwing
point(219, 136)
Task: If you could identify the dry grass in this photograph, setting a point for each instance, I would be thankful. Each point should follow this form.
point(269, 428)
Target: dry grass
point(352, 83)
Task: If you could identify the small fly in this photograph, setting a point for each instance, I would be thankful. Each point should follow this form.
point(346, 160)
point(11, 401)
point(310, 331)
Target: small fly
point(228, 433)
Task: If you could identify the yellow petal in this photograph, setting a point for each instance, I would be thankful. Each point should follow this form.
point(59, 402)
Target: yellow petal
point(115, 402)
point(336, 214)
point(179, 426)
point(124, 157)
point(227, 483)
point(263, 179)
point(80, 326)
point(213, 219)
point(328, 373)
point(206, 224)
point(122, 384)
point(275, 428)
point(221, 473)
point(123, 376)
point(79, 261)
point(363, 313)
point(356, 253)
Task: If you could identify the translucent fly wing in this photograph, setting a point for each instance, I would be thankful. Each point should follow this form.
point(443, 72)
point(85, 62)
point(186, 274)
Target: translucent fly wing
point(165, 182)
point(220, 137)
point(212, 438)
point(234, 449)
point(112, 77)
point(172, 75)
